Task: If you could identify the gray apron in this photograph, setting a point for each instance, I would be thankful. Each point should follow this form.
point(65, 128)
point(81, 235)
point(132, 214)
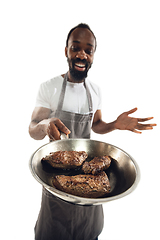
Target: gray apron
point(61, 220)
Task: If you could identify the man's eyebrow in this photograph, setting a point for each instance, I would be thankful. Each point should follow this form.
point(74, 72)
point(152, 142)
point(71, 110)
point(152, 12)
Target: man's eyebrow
point(89, 44)
point(75, 41)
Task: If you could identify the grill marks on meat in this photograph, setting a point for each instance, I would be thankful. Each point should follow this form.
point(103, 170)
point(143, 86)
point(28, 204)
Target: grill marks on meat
point(66, 159)
point(96, 165)
point(90, 186)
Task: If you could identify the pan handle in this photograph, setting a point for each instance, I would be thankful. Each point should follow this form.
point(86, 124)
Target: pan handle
point(63, 136)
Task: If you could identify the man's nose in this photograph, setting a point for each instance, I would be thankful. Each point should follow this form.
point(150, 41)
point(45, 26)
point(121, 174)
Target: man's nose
point(81, 54)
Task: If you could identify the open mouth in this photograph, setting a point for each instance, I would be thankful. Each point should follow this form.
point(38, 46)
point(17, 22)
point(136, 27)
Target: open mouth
point(80, 66)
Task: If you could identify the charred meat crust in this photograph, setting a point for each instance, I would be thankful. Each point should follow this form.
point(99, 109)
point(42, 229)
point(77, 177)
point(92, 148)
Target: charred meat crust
point(66, 159)
point(96, 165)
point(90, 186)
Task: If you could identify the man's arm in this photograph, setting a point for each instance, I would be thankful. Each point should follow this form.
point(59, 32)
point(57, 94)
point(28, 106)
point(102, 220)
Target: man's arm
point(100, 126)
point(123, 122)
point(41, 125)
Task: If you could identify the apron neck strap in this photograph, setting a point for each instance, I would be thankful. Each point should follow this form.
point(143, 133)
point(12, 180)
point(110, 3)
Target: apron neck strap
point(88, 97)
point(61, 97)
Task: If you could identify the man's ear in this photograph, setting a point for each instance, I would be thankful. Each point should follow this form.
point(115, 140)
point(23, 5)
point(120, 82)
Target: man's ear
point(66, 49)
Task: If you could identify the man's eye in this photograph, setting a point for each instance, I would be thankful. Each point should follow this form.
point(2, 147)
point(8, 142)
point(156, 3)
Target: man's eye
point(74, 48)
point(89, 51)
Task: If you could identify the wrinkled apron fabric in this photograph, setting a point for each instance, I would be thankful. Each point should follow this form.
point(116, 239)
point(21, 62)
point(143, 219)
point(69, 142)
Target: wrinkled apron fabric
point(61, 220)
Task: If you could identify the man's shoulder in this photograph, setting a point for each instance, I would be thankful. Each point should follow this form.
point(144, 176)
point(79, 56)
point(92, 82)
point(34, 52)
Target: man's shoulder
point(55, 81)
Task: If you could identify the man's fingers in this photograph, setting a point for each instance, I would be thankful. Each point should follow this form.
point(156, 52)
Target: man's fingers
point(144, 119)
point(141, 119)
point(54, 129)
point(142, 127)
point(62, 127)
point(53, 132)
point(136, 131)
point(131, 111)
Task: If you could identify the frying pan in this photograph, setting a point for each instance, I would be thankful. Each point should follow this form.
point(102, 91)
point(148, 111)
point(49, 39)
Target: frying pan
point(124, 173)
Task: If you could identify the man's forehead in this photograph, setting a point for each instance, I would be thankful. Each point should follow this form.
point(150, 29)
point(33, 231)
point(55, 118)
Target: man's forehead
point(82, 35)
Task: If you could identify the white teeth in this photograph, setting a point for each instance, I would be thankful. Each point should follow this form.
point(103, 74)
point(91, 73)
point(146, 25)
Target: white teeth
point(80, 65)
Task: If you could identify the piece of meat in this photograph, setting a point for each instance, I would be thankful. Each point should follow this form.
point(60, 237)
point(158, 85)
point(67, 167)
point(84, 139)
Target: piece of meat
point(90, 186)
point(66, 159)
point(96, 165)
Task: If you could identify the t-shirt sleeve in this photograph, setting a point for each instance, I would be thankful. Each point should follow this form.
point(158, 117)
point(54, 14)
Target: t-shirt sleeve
point(43, 96)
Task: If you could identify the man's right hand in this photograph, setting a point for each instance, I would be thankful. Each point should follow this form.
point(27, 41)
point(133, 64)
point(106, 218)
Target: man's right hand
point(41, 125)
point(55, 127)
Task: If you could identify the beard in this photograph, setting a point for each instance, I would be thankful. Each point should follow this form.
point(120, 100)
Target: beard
point(78, 76)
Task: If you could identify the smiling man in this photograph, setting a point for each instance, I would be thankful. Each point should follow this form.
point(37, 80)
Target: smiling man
point(70, 103)
point(80, 48)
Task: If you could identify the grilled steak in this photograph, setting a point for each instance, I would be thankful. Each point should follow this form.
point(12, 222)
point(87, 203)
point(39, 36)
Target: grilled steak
point(90, 186)
point(96, 165)
point(66, 159)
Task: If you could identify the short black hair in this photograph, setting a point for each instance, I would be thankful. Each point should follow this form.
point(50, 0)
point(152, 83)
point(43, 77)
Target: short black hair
point(81, 25)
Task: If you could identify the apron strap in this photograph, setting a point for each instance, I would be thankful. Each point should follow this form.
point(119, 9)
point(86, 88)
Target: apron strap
point(89, 98)
point(62, 94)
point(61, 98)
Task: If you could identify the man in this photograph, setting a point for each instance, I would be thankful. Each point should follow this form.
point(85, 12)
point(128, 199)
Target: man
point(70, 103)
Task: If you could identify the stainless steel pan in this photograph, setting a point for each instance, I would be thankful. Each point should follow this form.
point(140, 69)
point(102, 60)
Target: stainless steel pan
point(124, 173)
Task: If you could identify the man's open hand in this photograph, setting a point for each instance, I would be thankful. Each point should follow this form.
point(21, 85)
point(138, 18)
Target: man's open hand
point(124, 122)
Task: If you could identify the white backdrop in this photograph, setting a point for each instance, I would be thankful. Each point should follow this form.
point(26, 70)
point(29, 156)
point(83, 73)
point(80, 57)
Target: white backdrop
point(126, 67)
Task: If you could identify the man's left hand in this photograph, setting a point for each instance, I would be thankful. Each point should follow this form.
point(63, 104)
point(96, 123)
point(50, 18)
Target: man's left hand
point(124, 122)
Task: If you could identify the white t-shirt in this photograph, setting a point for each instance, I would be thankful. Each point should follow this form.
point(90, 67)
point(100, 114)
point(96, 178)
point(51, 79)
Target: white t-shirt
point(75, 99)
